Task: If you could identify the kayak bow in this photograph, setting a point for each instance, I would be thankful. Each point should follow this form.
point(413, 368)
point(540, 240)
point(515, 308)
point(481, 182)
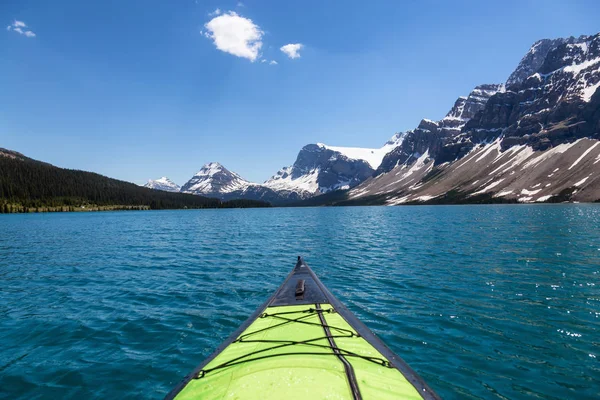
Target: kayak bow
point(302, 343)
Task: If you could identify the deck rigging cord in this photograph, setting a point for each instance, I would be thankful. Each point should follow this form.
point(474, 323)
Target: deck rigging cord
point(310, 312)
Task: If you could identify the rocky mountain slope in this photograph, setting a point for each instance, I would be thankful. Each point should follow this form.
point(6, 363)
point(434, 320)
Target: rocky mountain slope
point(533, 60)
point(214, 180)
point(320, 168)
point(164, 184)
point(533, 139)
point(433, 136)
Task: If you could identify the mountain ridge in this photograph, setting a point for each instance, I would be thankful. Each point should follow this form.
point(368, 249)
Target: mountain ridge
point(534, 141)
point(548, 101)
point(319, 168)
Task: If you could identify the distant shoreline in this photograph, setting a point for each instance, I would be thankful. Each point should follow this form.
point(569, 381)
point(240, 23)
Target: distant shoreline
point(90, 208)
point(8, 208)
point(20, 209)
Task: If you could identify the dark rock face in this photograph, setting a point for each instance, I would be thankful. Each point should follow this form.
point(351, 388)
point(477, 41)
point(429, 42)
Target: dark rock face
point(530, 141)
point(319, 169)
point(442, 139)
point(426, 138)
point(536, 56)
point(334, 169)
point(554, 105)
point(548, 102)
point(260, 192)
point(465, 108)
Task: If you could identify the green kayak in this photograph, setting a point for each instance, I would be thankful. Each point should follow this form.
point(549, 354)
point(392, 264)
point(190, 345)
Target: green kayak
point(302, 343)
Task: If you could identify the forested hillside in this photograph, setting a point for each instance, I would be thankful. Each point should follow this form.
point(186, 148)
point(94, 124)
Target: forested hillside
point(30, 184)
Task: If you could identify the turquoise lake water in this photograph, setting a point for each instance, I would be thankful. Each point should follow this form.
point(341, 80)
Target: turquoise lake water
point(482, 301)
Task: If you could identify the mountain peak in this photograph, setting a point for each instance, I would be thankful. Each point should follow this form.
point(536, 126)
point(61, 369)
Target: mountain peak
point(465, 107)
point(163, 183)
point(535, 142)
point(533, 60)
point(320, 168)
point(211, 168)
point(214, 179)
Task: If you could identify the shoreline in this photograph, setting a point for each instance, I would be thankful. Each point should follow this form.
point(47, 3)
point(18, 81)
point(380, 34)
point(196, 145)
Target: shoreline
point(91, 208)
point(19, 209)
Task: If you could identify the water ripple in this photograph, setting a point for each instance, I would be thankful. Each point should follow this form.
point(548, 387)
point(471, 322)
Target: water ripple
point(483, 301)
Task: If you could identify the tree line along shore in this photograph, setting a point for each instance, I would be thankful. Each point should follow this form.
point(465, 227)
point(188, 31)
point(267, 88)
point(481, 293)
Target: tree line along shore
point(28, 185)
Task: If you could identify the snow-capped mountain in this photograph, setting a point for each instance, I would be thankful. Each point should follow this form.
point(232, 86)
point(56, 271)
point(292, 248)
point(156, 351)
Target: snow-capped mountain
point(535, 57)
point(163, 183)
point(214, 180)
point(432, 136)
point(535, 139)
point(320, 168)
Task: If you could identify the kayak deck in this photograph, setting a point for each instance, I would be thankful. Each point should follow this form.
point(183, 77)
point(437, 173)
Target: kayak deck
point(302, 343)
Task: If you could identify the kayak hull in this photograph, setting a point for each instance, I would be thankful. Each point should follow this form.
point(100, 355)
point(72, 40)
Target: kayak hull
point(302, 343)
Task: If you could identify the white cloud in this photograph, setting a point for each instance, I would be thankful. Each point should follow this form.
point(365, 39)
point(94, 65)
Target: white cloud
point(292, 50)
point(216, 12)
point(273, 62)
point(263, 61)
point(235, 35)
point(18, 26)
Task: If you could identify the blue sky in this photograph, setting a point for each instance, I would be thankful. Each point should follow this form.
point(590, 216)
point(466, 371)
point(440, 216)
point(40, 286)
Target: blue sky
point(138, 89)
